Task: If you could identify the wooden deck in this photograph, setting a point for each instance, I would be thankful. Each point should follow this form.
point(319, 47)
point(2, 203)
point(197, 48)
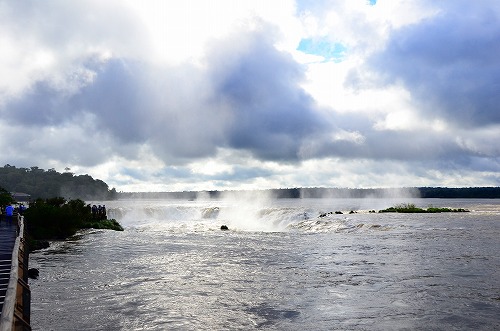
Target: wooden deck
point(15, 294)
point(8, 234)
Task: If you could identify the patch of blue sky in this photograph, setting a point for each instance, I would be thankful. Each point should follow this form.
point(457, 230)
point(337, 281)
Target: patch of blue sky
point(321, 47)
point(372, 2)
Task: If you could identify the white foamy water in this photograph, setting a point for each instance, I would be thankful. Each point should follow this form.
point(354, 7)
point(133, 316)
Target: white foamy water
point(283, 265)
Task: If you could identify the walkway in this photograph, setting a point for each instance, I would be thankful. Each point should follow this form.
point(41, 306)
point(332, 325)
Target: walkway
point(15, 294)
point(8, 234)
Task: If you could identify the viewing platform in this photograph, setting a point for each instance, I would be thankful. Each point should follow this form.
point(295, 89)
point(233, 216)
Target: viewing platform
point(15, 295)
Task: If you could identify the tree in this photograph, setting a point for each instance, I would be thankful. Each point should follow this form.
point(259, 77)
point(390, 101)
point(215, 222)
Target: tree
point(57, 218)
point(5, 197)
point(46, 184)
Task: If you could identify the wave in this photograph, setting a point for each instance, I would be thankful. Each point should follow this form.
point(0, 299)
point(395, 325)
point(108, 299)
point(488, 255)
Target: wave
point(336, 225)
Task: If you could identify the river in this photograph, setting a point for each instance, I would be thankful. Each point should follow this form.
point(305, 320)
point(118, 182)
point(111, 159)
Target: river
point(289, 264)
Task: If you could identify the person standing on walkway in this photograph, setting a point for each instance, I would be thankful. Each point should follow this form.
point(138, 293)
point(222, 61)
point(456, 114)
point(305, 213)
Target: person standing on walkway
point(9, 213)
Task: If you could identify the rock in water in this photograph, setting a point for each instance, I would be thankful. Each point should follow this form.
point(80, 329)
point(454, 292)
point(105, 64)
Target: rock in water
point(33, 273)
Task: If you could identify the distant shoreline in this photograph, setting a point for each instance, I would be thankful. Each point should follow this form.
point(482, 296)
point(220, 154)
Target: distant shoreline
point(319, 192)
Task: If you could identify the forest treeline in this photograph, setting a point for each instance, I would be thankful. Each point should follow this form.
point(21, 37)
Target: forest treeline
point(460, 192)
point(40, 183)
point(319, 192)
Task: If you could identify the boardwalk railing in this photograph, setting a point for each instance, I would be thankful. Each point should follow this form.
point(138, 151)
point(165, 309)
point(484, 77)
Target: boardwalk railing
point(16, 305)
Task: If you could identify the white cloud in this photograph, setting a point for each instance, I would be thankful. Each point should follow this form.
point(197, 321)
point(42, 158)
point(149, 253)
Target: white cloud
point(179, 31)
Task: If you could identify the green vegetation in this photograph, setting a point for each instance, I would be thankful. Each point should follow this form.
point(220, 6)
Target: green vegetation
point(5, 197)
point(57, 218)
point(411, 208)
point(46, 184)
point(110, 224)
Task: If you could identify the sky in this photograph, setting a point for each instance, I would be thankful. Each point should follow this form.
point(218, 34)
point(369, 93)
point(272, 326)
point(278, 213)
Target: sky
point(185, 95)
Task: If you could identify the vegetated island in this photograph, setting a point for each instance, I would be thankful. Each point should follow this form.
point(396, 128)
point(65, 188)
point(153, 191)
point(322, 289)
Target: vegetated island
point(58, 219)
point(411, 208)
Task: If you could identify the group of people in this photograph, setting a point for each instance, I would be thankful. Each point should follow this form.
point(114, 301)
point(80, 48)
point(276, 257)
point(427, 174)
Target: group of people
point(98, 212)
point(7, 212)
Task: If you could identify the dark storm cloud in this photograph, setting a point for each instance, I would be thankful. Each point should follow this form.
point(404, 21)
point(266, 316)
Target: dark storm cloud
point(42, 105)
point(449, 62)
point(247, 97)
point(128, 101)
point(271, 113)
point(117, 96)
